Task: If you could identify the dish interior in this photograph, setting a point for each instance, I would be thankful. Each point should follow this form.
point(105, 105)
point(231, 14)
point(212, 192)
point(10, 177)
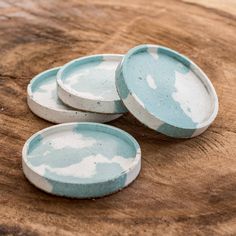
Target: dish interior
point(44, 90)
point(92, 78)
point(169, 87)
point(80, 154)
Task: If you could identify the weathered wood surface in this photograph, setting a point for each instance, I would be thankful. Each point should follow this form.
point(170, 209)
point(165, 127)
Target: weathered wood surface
point(186, 187)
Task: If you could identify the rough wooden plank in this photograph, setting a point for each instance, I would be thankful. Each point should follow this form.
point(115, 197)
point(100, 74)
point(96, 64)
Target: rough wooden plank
point(186, 187)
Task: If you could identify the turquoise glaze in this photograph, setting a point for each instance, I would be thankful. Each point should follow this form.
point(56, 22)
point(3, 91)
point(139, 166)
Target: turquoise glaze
point(88, 83)
point(81, 160)
point(43, 90)
point(166, 91)
point(91, 78)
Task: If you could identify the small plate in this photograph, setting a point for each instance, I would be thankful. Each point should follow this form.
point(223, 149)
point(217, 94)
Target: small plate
point(88, 84)
point(43, 101)
point(166, 91)
point(81, 160)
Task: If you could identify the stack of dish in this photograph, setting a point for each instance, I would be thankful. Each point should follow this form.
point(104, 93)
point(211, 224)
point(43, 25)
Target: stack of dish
point(81, 90)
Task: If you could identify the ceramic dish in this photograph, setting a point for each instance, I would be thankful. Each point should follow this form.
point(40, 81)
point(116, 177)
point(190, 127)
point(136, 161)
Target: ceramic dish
point(43, 101)
point(81, 160)
point(166, 91)
point(88, 83)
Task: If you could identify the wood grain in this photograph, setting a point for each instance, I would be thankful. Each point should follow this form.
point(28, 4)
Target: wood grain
point(186, 187)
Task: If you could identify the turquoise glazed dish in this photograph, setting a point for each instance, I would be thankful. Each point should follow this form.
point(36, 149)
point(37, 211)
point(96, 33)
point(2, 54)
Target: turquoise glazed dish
point(166, 91)
point(88, 84)
point(81, 160)
point(43, 101)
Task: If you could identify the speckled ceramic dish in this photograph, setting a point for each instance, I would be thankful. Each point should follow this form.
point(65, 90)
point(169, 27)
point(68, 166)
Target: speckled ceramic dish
point(166, 91)
point(43, 101)
point(88, 83)
point(81, 160)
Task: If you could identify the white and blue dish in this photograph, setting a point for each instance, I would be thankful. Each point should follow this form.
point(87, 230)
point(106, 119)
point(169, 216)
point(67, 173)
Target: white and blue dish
point(43, 101)
point(166, 91)
point(88, 84)
point(81, 160)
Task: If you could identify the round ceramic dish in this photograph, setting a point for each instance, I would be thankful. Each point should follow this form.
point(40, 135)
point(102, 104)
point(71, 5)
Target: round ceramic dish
point(88, 83)
point(43, 101)
point(166, 91)
point(81, 160)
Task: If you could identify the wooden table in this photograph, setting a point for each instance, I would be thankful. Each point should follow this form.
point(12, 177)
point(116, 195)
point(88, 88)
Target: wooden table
point(186, 187)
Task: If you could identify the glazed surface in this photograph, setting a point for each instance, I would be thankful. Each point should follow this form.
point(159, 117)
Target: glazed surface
point(168, 88)
point(93, 79)
point(78, 155)
point(44, 90)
